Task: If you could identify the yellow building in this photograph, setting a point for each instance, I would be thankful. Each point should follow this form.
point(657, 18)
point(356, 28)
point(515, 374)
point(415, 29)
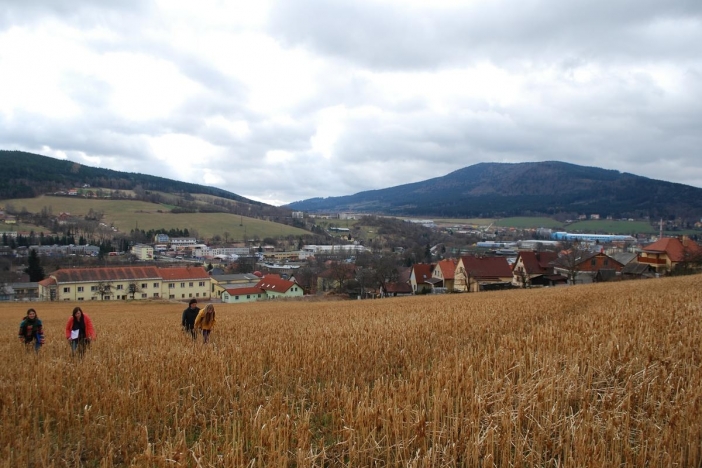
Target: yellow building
point(121, 283)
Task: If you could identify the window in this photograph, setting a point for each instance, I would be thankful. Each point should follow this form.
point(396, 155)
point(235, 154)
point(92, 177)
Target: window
point(80, 288)
point(593, 262)
point(197, 294)
point(248, 296)
point(120, 286)
point(80, 298)
point(190, 295)
point(155, 294)
point(66, 290)
point(171, 286)
point(606, 261)
point(144, 285)
point(236, 298)
point(182, 296)
point(144, 295)
point(182, 285)
point(172, 296)
point(93, 288)
point(202, 283)
point(107, 298)
point(93, 298)
point(190, 284)
point(155, 285)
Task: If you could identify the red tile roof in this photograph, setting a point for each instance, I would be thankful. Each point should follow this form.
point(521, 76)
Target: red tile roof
point(673, 247)
point(77, 275)
point(448, 268)
point(422, 272)
point(487, 267)
point(275, 283)
point(47, 282)
point(183, 273)
point(245, 291)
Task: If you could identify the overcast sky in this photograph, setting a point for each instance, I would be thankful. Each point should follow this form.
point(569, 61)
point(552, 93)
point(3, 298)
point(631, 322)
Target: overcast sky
point(281, 101)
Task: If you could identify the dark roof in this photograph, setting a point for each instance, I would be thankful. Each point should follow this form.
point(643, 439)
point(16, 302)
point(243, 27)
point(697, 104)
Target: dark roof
point(635, 268)
point(487, 267)
point(537, 263)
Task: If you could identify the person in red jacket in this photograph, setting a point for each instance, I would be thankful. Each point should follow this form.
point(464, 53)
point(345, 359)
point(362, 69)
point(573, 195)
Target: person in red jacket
point(79, 331)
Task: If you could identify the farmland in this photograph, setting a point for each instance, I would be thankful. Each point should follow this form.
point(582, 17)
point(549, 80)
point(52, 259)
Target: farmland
point(128, 214)
point(597, 375)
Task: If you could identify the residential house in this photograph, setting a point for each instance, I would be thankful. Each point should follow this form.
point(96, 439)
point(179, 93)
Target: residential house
point(222, 282)
point(444, 271)
point(535, 269)
point(240, 295)
point(421, 278)
point(475, 274)
point(582, 266)
point(277, 287)
point(667, 253)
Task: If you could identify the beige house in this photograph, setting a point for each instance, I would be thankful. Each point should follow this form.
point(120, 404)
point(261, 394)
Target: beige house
point(241, 295)
point(143, 252)
point(221, 283)
point(185, 283)
point(269, 287)
point(475, 274)
point(121, 283)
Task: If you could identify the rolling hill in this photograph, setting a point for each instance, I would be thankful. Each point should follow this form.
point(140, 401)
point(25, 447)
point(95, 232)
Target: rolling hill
point(523, 189)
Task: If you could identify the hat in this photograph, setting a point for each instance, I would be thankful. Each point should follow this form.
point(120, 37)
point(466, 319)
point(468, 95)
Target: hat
point(192, 301)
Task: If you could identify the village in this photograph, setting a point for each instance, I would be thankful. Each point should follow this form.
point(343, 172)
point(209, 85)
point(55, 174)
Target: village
point(182, 268)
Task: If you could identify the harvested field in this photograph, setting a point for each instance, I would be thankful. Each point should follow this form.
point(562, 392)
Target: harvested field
point(596, 375)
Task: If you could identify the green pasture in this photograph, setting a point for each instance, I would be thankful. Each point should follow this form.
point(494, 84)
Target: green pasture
point(607, 226)
point(525, 222)
point(130, 214)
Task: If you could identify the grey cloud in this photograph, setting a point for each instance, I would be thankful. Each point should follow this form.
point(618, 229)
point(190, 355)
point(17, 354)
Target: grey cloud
point(400, 37)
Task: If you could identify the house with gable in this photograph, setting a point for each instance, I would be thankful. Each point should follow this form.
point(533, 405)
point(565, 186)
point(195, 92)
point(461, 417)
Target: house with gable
point(241, 295)
point(444, 271)
point(535, 269)
point(420, 278)
point(668, 253)
point(475, 274)
point(583, 266)
point(276, 287)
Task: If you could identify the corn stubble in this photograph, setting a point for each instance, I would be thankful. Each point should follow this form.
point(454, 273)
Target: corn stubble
point(599, 375)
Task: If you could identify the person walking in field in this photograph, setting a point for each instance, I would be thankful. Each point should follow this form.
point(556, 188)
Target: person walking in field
point(189, 316)
point(205, 321)
point(79, 331)
point(31, 330)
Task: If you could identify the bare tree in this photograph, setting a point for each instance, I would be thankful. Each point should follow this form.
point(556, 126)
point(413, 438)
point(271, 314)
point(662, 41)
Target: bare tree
point(103, 288)
point(133, 288)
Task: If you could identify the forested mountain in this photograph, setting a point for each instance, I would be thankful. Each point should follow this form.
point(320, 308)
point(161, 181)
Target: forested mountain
point(27, 175)
point(523, 189)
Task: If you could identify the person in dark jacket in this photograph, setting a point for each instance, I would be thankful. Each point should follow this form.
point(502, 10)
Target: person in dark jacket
point(189, 316)
point(31, 330)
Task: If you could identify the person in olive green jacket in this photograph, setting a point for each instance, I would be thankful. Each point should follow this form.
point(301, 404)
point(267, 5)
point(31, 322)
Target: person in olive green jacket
point(205, 321)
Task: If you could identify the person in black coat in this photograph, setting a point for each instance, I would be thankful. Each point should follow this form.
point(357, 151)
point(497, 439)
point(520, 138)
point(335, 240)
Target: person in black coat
point(189, 316)
point(31, 330)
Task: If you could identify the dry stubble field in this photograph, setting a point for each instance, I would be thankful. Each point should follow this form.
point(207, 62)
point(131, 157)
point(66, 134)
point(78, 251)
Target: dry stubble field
point(599, 375)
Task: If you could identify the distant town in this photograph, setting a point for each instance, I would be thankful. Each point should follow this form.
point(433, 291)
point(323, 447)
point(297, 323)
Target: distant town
point(178, 267)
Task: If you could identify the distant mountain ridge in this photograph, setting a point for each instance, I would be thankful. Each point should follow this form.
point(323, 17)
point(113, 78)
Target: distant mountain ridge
point(27, 175)
point(523, 189)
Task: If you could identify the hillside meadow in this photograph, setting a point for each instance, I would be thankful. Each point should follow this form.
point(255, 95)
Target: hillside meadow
point(129, 214)
point(593, 375)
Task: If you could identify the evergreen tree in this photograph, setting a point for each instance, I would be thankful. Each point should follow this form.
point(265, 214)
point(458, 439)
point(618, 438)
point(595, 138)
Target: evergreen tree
point(34, 268)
